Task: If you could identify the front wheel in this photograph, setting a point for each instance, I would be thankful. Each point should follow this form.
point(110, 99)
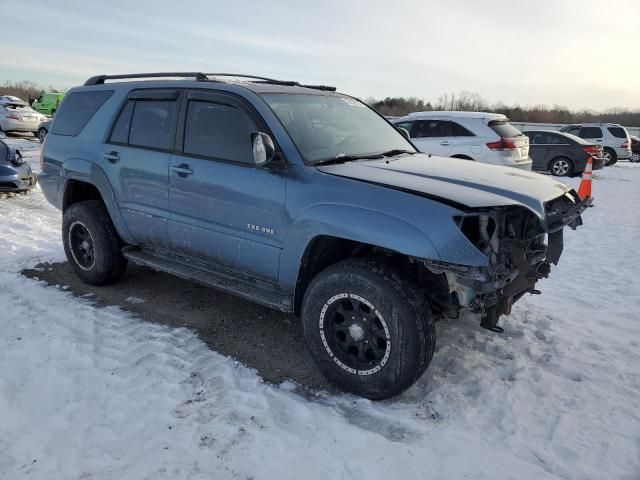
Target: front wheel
point(91, 243)
point(369, 331)
point(610, 157)
point(635, 157)
point(561, 167)
point(42, 133)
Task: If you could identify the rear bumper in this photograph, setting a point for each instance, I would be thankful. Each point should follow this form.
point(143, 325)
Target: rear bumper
point(623, 153)
point(524, 165)
point(598, 163)
point(9, 125)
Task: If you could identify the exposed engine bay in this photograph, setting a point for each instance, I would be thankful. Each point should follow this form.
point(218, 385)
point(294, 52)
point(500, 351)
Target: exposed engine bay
point(520, 248)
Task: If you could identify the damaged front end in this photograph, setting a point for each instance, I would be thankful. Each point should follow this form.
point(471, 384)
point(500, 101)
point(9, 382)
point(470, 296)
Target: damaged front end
point(520, 248)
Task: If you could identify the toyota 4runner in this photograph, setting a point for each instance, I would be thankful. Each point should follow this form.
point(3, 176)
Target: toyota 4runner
point(304, 200)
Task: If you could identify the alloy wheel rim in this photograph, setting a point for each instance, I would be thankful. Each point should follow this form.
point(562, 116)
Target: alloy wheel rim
point(635, 157)
point(82, 246)
point(355, 334)
point(560, 168)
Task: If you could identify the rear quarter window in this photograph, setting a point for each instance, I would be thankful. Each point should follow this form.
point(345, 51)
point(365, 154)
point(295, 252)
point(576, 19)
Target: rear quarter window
point(504, 129)
point(618, 132)
point(76, 110)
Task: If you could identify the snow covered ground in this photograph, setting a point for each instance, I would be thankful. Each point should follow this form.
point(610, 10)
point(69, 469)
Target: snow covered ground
point(95, 393)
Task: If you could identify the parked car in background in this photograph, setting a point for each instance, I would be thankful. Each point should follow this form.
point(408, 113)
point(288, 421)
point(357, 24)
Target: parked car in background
point(304, 200)
point(48, 103)
point(562, 154)
point(43, 129)
point(613, 138)
point(635, 149)
point(480, 136)
point(15, 174)
point(17, 116)
point(10, 99)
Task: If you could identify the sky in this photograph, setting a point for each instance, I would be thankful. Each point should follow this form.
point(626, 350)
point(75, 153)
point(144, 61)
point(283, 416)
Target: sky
point(576, 53)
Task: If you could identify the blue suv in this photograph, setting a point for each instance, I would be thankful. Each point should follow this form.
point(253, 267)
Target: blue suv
point(304, 200)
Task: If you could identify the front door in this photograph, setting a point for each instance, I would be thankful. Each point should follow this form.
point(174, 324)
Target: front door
point(136, 160)
point(224, 208)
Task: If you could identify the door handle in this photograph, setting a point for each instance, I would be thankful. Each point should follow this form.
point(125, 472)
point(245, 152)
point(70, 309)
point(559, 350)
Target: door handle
point(183, 170)
point(445, 143)
point(113, 157)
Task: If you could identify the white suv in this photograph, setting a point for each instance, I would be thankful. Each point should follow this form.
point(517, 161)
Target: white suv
point(614, 139)
point(485, 137)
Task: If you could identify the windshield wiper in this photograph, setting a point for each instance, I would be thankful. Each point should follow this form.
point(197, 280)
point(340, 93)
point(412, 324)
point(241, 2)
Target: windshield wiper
point(346, 158)
point(395, 152)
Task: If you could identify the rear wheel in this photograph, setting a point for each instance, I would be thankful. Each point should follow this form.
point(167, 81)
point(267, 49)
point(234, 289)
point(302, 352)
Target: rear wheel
point(610, 157)
point(369, 331)
point(561, 167)
point(91, 243)
point(42, 133)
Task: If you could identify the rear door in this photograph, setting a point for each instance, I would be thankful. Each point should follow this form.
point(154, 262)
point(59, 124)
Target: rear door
point(137, 162)
point(539, 149)
point(224, 208)
point(433, 136)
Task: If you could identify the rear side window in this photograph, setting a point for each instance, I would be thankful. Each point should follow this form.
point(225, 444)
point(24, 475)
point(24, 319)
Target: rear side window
point(559, 140)
point(590, 132)
point(504, 129)
point(76, 110)
point(120, 133)
point(539, 138)
point(151, 123)
point(618, 132)
point(458, 130)
point(218, 130)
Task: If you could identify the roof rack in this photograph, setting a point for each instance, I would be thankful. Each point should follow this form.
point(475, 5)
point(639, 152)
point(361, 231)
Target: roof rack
point(202, 77)
point(100, 79)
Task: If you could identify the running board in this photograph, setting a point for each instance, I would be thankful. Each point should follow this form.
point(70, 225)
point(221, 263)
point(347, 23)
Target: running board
point(259, 291)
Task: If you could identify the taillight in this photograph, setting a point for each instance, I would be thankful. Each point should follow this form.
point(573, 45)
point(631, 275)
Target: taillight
point(12, 116)
point(592, 150)
point(502, 144)
point(625, 145)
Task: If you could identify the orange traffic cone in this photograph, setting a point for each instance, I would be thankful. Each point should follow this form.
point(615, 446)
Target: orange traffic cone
point(584, 190)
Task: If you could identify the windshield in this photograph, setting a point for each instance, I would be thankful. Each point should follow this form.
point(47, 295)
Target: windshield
point(325, 127)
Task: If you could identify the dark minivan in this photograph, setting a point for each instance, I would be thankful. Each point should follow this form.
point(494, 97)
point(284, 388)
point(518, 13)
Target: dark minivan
point(562, 154)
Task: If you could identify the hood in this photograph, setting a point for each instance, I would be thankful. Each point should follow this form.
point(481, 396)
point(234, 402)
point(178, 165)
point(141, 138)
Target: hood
point(462, 183)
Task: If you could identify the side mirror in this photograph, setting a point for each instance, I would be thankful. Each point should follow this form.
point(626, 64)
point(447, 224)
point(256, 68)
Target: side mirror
point(405, 133)
point(263, 149)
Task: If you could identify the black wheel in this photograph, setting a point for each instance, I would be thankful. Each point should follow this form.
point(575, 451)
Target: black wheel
point(42, 133)
point(635, 157)
point(91, 243)
point(369, 331)
point(610, 157)
point(561, 167)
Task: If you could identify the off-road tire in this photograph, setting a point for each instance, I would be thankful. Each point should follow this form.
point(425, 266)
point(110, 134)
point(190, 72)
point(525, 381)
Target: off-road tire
point(561, 167)
point(612, 159)
point(108, 262)
point(406, 312)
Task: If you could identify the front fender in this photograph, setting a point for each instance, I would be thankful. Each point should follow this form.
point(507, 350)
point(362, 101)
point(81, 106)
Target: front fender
point(89, 172)
point(350, 223)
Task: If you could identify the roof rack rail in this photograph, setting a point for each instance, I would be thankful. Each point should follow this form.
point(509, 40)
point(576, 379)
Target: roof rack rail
point(199, 76)
point(100, 79)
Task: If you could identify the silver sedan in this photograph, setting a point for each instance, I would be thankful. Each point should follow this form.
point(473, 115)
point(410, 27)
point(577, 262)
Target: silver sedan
point(18, 116)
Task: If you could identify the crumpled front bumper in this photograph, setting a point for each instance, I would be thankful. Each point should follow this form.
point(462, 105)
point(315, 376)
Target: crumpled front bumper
point(16, 178)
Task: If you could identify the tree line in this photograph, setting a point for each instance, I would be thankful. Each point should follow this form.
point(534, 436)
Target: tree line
point(473, 102)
